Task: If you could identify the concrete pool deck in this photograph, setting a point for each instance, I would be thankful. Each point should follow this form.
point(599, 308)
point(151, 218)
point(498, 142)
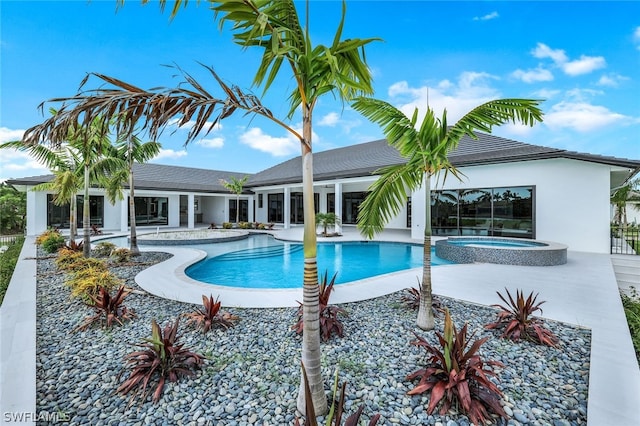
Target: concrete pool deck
point(582, 292)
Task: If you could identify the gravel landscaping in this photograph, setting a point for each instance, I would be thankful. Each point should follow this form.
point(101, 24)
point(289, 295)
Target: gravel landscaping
point(251, 376)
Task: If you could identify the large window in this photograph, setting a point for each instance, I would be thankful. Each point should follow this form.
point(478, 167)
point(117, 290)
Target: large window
point(504, 212)
point(331, 203)
point(350, 205)
point(151, 211)
point(59, 216)
point(296, 215)
point(244, 210)
point(276, 208)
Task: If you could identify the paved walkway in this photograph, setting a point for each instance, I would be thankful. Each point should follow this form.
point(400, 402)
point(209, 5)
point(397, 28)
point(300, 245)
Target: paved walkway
point(582, 292)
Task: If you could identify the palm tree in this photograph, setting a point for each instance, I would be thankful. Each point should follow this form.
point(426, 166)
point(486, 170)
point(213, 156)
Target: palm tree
point(326, 219)
point(273, 25)
point(235, 186)
point(621, 197)
point(426, 146)
point(132, 150)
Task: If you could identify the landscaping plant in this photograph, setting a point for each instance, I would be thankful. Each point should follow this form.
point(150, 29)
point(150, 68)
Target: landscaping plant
point(8, 261)
point(108, 308)
point(160, 359)
point(74, 246)
point(104, 249)
point(329, 314)
point(52, 242)
point(210, 315)
point(86, 282)
point(73, 261)
point(631, 306)
point(517, 323)
point(411, 299)
point(456, 375)
point(336, 411)
point(121, 255)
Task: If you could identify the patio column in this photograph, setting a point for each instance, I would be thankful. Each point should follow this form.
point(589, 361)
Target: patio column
point(250, 208)
point(287, 208)
point(191, 211)
point(337, 201)
point(124, 213)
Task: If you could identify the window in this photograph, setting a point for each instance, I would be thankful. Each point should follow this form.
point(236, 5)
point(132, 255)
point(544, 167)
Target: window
point(151, 211)
point(259, 201)
point(244, 210)
point(59, 216)
point(498, 212)
point(350, 205)
point(296, 215)
point(331, 203)
point(276, 208)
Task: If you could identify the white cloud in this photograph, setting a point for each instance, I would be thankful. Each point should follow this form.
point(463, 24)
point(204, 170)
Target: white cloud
point(170, 153)
point(189, 124)
point(471, 90)
point(330, 119)
point(532, 76)
point(277, 147)
point(7, 135)
point(17, 164)
point(611, 80)
point(636, 37)
point(581, 116)
point(584, 65)
point(546, 93)
point(487, 17)
point(211, 142)
point(543, 51)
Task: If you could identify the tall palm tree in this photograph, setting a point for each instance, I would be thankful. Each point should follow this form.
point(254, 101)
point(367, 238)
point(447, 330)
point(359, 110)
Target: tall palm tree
point(621, 197)
point(274, 26)
point(235, 186)
point(426, 146)
point(64, 163)
point(131, 150)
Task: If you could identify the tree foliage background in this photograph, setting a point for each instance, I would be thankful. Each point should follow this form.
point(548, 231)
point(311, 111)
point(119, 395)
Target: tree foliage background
point(13, 209)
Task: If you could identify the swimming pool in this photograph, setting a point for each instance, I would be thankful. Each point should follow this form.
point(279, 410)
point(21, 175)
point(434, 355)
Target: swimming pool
point(264, 262)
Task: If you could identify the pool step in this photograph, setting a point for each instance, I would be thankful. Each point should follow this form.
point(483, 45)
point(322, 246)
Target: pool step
point(260, 252)
point(627, 271)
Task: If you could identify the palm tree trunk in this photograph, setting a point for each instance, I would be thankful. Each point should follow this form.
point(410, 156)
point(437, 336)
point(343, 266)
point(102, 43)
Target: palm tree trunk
point(425, 318)
point(73, 219)
point(133, 240)
point(311, 353)
point(237, 209)
point(86, 217)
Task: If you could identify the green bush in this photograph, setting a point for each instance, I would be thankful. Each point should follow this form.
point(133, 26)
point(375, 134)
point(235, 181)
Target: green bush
point(104, 249)
point(227, 225)
point(8, 262)
point(632, 311)
point(53, 242)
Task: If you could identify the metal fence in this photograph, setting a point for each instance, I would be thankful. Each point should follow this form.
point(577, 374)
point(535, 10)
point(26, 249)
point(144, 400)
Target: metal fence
point(6, 240)
point(625, 239)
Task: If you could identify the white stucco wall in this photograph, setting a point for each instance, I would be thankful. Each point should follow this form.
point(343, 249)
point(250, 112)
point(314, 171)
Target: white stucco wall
point(571, 198)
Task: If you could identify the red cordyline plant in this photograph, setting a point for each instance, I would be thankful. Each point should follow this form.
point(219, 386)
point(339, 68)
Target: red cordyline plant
point(334, 417)
point(517, 323)
point(210, 315)
point(161, 359)
point(456, 375)
point(329, 314)
point(108, 308)
point(411, 299)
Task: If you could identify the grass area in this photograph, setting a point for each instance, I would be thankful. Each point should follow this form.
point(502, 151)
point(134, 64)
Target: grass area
point(632, 311)
point(8, 262)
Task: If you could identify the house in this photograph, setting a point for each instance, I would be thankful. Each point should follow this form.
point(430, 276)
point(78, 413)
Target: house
point(508, 188)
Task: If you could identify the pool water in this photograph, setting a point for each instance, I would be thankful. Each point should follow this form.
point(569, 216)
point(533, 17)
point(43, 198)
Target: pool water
point(265, 262)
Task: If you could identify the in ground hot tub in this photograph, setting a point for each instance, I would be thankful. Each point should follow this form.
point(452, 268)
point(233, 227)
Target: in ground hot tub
point(506, 251)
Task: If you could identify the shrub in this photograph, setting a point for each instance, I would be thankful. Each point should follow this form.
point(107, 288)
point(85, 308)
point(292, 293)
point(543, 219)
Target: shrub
point(104, 249)
point(632, 311)
point(160, 359)
point(227, 225)
point(260, 226)
point(67, 257)
point(74, 246)
point(108, 308)
point(121, 255)
point(336, 411)
point(411, 299)
point(516, 320)
point(8, 261)
point(46, 234)
point(52, 242)
point(244, 225)
point(329, 314)
point(86, 282)
point(210, 315)
point(457, 375)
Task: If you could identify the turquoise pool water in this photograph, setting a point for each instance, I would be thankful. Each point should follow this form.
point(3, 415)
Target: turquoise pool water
point(268, 263)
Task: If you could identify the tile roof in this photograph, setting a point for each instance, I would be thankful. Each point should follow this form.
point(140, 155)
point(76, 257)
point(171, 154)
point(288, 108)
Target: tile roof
point(364, 159)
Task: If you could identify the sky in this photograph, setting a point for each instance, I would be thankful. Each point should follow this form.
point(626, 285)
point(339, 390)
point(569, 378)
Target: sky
point(581, 58)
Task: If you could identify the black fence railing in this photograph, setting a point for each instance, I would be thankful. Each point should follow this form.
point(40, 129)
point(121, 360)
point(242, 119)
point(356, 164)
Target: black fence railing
point(625, 239)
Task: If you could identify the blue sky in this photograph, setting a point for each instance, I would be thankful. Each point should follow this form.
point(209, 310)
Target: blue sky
point(582, 58)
